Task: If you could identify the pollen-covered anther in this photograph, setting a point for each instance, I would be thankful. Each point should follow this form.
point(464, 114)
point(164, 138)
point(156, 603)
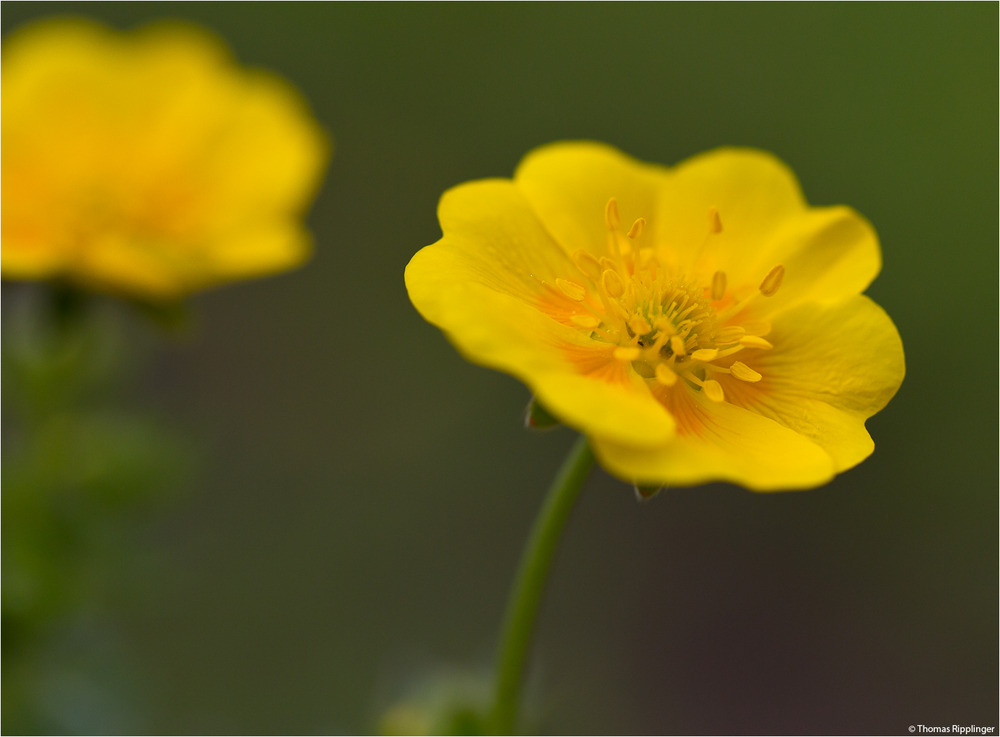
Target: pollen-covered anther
point(705, 354)
point(730, 334)
point(772, 281)
point(571, 289)
point(713, 390)
point(627, 353)
point(755, 341)
point(611, 217)
point(665, 375)
point(612, 283)
point(637, 227)
point(589, 266)
point(756, 327)
point(639, 325)
point(585, 321)
point(677, 345)
point(714, 221)
point(664, 326)
point(718, 285)
point(744, 373)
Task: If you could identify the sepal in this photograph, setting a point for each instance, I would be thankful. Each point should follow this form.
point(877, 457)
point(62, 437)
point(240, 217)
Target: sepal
point(537, 417)
point(645, 493)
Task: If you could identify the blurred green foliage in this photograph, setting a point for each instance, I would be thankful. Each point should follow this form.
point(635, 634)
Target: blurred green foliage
point(77, 472)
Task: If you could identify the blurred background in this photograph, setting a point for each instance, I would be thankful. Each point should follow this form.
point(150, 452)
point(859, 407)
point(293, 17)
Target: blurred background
point(355, 496)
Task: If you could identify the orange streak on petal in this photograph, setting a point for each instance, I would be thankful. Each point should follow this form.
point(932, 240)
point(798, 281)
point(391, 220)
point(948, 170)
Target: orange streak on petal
point(689, 415)
point(598, 362)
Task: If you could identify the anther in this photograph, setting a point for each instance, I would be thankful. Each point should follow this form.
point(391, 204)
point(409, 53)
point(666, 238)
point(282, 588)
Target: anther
point(587, 264)
point(571, 289)
point(639, 325)
point(705, 354)
point(677, 345)
point(714, 221)
point(665, 375)
point(611, 217)
point(607, 263)
point(756, 327)
point(743, 372)
point(627, 353)
point(637, 227)
point(664, 325)
point(713, 390)
point(729, 334)
point(613, 284)
point(585, 321)
point(755, 341)
point(772, 281)
point(718, 285)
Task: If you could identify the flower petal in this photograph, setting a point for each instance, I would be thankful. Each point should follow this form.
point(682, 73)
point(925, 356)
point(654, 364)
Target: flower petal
point(569, 185)
point(156, 146)
point(261, 249)
point(828, 253)
point(484, 283)
point(753, 194)
point(491, 232)
point(721, 442)
point(833, 367)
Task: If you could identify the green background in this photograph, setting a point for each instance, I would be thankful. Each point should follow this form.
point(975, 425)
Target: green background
point(362, 493)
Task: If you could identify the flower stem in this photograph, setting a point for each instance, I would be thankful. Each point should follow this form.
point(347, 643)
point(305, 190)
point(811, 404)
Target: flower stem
point(522, 606)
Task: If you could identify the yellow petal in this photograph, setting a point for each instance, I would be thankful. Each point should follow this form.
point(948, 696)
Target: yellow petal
point(628, 414)
point(721, 442)
point(155, 146)
point(492, 236)
point(569, 186)
point(496, 327)
point(752, 193)
point(828, 254)
point(833, 367)
point(264, 249)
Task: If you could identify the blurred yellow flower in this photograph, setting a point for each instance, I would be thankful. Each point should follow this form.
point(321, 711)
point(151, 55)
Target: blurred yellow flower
point(148, 163)
point(697, 323)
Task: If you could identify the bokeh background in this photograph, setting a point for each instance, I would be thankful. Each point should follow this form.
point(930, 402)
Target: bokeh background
point(359, 494)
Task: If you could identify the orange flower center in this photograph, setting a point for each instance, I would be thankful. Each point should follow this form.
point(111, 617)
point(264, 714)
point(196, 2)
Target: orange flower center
point(667, 327)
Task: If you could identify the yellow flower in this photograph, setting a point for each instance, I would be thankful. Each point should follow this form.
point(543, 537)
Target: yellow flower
point(697, 323)
point(148, 163)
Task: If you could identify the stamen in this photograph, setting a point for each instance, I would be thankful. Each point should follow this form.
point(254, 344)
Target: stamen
point(714, 221)
point(772, 281)
point(729, 334)
point(587, 264)
point(755, 341)
point(743, 372)
point(585, 321)
point(571, 289)
point(639, 325)
point(713, 390)
point(627, 353)
point(757, 327)
point(664, 325)
point(612, 284)
point(665, 375)
point(705, 354)
point(718, 285)
point(611, 217)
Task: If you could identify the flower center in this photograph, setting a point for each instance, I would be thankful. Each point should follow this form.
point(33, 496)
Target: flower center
point(667, 327)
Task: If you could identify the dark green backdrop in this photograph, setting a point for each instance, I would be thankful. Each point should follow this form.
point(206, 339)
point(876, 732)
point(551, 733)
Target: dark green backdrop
point(364, 493)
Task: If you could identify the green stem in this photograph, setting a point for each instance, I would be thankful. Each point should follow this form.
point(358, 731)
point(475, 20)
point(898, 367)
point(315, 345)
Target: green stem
point(526, 593)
